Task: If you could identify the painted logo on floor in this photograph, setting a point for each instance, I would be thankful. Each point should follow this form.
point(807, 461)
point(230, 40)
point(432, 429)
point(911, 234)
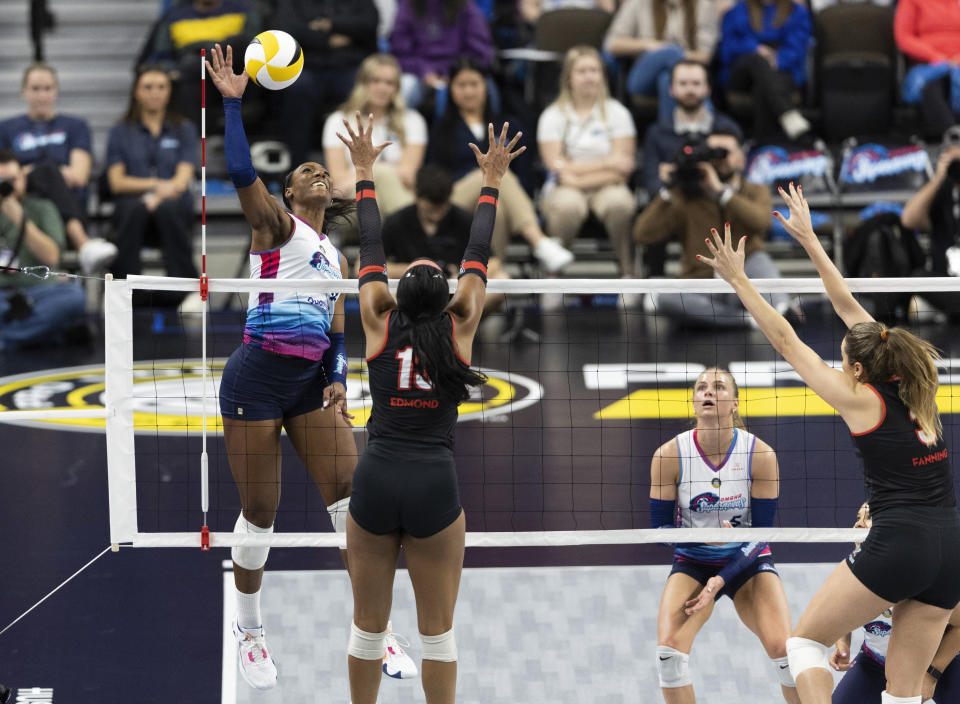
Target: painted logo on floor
point(168, 396)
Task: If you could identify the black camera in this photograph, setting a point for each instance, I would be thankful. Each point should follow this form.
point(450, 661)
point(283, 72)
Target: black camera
point(6, 188)
point(687, 175)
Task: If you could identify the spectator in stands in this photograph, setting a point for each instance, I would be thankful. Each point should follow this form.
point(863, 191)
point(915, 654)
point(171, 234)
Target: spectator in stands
point(693, 118)
point(176, 39)
point(336, 36)
point(428, 35)
point(935, 209)
point(377, 92)
point(763, 49)
point(660, 34)
point(686, 213)
point(54, 150)
point(433, 228)
point(928, 31)
point(466, 121)
point(587, 142)
point(151, 157)
point(32, 310)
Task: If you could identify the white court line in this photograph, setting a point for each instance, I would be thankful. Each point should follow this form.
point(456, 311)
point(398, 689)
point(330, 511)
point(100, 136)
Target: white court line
point(229, 676)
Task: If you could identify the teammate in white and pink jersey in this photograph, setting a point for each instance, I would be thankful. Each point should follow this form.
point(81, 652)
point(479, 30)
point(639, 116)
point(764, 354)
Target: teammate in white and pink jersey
point(290, 372)
point(717, 475)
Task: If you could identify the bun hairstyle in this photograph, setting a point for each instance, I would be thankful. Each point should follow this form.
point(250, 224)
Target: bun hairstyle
point(888, 353)
point(422, 297)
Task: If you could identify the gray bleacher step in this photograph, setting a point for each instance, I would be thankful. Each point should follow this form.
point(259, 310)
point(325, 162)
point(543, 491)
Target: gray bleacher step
point(109, 80)
point(104, 12)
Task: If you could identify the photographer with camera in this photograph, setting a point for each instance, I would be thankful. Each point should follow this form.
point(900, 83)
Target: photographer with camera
point(706, 190)
point(31, 234)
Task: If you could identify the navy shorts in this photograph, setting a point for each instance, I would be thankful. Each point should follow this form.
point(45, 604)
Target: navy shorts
point(911, 552)
point(259, 385)
point(702, 572)
point(399, 490)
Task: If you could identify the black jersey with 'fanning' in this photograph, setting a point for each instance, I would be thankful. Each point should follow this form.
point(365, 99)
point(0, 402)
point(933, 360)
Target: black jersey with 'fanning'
point(899, 468)
point(405, 406)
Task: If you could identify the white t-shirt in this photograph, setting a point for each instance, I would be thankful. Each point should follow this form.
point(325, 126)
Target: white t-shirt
point(413, 123)
point(585, 139)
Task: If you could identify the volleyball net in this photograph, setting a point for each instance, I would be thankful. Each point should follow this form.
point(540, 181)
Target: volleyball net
point(555, 449)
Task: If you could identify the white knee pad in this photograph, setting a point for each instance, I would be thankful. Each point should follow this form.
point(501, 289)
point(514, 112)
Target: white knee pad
point(246, 557)
point(442, 648)
point(890, 699)
point(338, 514)
point(364, 645)
point(673, 667)
point(782, 667)
point(804, 654)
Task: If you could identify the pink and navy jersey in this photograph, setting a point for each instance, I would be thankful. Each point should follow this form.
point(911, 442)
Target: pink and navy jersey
point(287, 322)
point(708, 494)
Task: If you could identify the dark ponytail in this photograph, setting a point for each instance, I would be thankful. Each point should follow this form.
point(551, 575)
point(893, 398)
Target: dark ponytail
point(422, 297)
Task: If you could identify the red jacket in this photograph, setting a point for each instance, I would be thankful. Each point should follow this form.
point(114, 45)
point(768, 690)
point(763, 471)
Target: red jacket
point(928, 30)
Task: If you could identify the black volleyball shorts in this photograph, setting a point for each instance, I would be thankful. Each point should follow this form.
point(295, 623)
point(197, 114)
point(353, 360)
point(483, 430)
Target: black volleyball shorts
point(396, 489)
point(911, 553)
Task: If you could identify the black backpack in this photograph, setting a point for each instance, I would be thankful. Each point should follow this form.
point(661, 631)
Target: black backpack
point(882, 247)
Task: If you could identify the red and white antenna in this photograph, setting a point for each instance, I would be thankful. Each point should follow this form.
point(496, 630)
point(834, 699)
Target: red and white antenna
point(204, 294)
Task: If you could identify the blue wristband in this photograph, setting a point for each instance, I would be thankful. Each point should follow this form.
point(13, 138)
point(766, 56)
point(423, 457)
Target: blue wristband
point(239, 166)
point(335, 359)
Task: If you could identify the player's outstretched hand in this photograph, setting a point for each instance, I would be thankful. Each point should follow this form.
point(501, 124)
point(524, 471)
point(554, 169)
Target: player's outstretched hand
point(220, 67)
point(336, 395)
point(500, 153)
point(727, 261)
point(363, 152)
point(799, 224)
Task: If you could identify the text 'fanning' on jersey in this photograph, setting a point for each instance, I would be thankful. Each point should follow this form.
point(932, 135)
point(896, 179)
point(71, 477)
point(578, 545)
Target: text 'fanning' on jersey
point(295, 323)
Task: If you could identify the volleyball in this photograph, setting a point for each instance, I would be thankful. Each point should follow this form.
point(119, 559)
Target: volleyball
point(273, 59)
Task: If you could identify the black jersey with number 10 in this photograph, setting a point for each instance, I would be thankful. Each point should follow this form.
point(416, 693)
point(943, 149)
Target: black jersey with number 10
point(405, 407)
point(900, 469)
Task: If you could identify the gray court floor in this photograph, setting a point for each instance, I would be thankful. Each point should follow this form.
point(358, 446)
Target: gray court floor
point(543, 635)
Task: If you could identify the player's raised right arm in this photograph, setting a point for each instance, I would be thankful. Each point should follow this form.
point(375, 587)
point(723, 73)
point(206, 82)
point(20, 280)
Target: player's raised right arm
point(267, 219)
point(800, 227)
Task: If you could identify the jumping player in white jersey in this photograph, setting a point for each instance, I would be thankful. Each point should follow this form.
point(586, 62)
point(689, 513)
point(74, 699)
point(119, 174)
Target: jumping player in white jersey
point(886, 394)
point(717, 475)
point(289, 373)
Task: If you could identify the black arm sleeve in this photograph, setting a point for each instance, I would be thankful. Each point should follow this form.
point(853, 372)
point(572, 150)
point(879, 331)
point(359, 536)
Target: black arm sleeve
point(477, 254)
point(373, 262)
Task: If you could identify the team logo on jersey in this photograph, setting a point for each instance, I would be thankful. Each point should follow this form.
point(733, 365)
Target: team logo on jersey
point(878, 628)
point(708, 502)
point(704, 502)
point(168, 396)
point(320, 262)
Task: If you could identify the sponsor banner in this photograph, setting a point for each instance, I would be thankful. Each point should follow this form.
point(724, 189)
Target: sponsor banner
point(168, 396)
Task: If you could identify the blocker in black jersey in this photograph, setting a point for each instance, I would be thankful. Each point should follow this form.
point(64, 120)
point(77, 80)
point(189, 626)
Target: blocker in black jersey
point(405, 406)
point(406, 480)
point(912, 548)
point(899, 468)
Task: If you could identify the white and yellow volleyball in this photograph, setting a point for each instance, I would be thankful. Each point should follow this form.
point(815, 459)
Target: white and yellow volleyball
point(273, 59)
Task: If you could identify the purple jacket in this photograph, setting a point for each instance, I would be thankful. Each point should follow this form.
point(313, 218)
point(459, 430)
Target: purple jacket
point(425, 44)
